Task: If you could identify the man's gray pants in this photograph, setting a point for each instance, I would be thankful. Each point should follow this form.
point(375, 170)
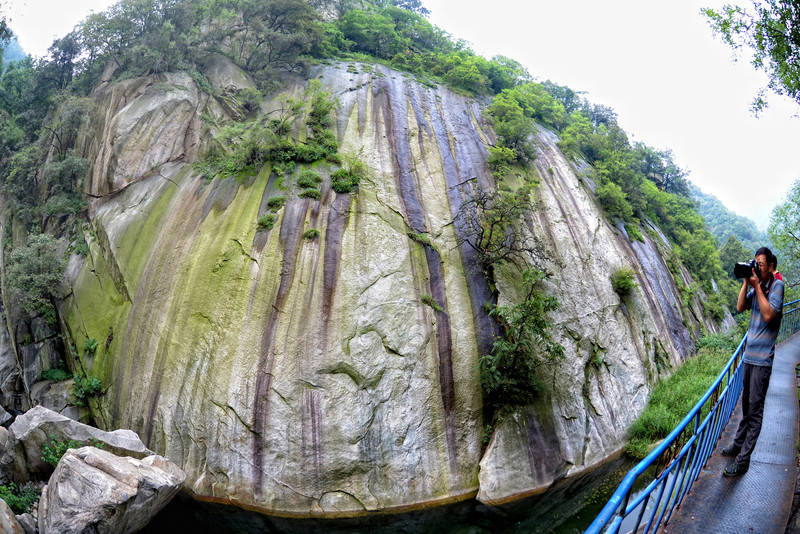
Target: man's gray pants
point(754, 391)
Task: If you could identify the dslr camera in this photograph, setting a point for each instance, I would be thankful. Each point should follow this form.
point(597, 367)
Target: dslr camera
point(742, 269)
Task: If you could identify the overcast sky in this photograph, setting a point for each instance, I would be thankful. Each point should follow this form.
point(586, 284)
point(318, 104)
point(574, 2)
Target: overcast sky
point(672, 84)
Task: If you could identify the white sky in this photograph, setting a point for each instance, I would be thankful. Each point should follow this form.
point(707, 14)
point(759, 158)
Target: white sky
point(672, 84)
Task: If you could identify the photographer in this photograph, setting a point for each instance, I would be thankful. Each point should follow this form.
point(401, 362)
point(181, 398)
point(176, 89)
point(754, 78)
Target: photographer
point(762, 293)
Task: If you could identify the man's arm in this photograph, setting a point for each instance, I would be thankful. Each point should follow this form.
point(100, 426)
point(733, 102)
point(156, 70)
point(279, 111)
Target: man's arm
point(741, 302)
point(763, 304)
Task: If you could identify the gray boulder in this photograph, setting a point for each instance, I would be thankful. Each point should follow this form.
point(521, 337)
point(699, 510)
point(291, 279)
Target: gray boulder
point(28, 523)
point(58, 396)
point(36, 427)
point(9, 462)
point(95, 491)
point(8, 521)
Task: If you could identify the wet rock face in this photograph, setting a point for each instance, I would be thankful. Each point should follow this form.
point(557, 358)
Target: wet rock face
point(306, 377)
point(94, 491)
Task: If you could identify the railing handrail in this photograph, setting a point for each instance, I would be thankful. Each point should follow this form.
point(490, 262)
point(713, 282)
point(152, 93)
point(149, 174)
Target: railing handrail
point(623, 490)
point(618, 505)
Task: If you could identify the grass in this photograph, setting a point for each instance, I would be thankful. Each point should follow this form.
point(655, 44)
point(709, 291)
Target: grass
point(430, 301)
point(672, 398)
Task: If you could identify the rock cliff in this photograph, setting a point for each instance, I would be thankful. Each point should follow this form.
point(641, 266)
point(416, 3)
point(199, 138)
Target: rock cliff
point(306, 377)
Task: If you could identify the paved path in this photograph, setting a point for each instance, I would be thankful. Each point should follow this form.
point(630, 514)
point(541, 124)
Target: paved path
point(760, 501)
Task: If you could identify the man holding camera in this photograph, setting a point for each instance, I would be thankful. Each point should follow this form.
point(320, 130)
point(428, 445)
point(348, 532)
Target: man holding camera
point(762, 293)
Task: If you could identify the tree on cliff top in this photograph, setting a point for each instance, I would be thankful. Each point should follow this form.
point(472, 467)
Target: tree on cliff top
point(770, 30)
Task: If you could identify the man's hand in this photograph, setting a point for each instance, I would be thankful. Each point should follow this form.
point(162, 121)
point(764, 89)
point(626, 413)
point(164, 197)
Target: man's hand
point(753, 280)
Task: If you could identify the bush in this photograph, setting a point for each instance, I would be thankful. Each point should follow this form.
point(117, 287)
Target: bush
point(85, 388)
point(56, 375)
point(430, 301)
point(266, 222)
point(508, 373)
point(53, 451)
point(310, 193)
point(311, 234)
point(346, 179)
point(622, 280)
point(633, 232)
point(308, 179)
point(90, 346)
point(19, 498)
point(275, 203)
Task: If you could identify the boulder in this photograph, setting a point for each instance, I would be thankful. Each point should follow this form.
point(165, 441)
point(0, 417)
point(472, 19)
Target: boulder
point(58, 396)
point(95, 491)
point(9, 462)
point(28, 523)
point(36, 427)
point(8, 521)
point(5, 417)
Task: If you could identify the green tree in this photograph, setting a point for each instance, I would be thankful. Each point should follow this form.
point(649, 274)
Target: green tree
point(511, 124)
point(508, 373)
point(34, 274)
point(784, 232)
point(769, 29)
point(731, 252)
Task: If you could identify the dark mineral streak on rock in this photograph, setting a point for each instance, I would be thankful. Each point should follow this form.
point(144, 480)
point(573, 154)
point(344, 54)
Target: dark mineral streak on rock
point(261, 237)
point(393, 97)
point(459, 188)
point(337, 222)
point(290, 236)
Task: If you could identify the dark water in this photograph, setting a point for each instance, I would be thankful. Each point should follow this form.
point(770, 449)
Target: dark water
point(567, 508)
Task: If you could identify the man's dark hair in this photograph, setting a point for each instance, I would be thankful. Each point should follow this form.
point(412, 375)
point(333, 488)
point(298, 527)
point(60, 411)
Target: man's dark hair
point(771, 258)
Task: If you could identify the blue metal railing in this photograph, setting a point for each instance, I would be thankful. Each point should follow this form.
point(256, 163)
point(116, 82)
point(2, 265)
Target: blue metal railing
point(683, 453)
point(791, 320)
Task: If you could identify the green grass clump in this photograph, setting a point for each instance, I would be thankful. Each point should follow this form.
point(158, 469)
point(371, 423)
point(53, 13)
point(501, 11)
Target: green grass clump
point(430, 301)
point(310, 193)
point(266, 222)
point(622, 280)
point(19, 498)
point(423, 239)
point(311, 234)
point(275, 203)
point(672, 398)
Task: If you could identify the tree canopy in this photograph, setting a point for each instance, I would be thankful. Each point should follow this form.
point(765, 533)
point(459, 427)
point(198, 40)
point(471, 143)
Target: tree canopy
point(784, 232)
point(769, 30)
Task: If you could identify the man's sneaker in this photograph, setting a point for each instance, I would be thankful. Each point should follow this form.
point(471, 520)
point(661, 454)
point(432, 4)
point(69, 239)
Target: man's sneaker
point(730, 450)
point(736, 469)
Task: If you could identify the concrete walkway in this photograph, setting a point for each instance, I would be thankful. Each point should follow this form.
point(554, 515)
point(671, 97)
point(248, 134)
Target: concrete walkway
point(759, 501)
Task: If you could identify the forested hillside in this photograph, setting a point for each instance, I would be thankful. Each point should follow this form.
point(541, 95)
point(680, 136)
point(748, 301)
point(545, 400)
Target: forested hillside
point(724, 223)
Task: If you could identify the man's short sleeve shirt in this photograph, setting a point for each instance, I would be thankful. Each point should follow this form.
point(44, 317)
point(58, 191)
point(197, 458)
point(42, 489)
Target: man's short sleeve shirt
point(761, 335)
